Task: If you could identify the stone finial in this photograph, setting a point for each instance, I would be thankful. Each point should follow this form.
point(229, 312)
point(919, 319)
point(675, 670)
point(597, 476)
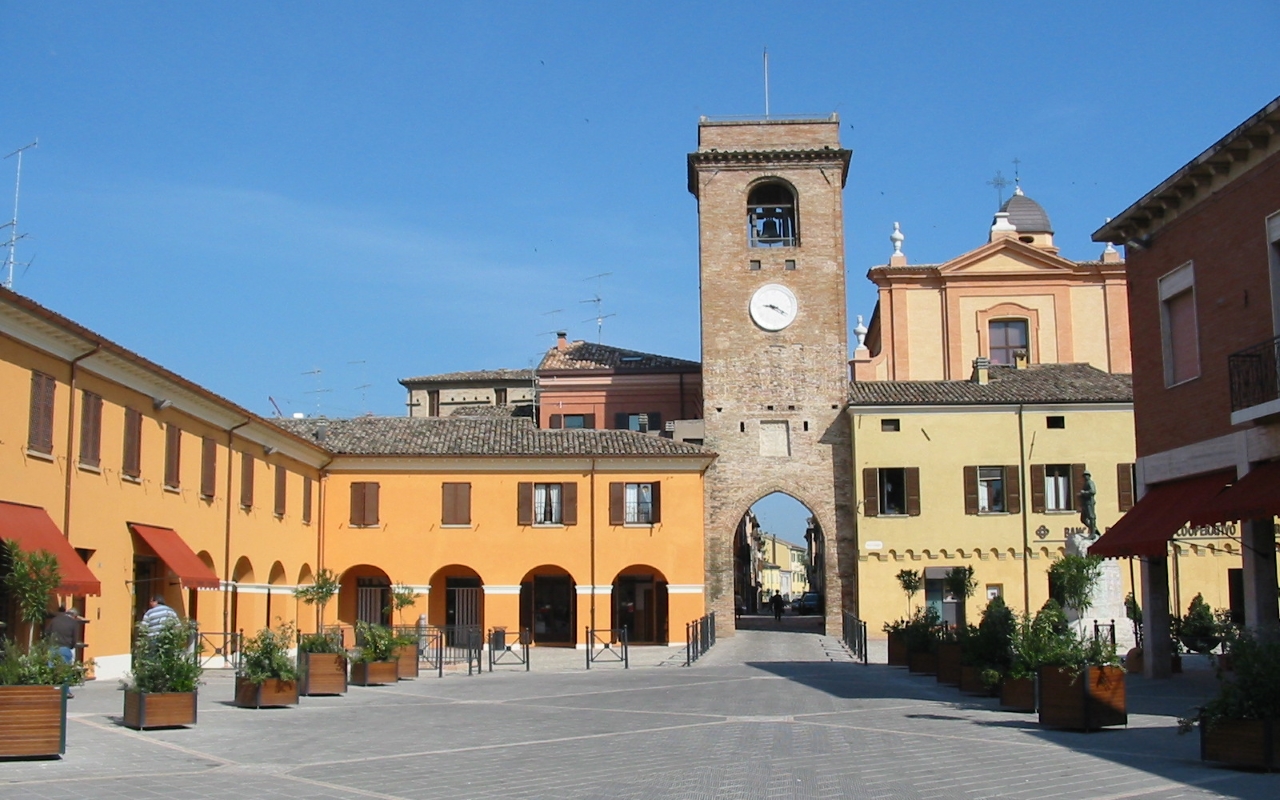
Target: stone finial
point(1018, 190)
point(1109, 253)
point(1001, 227)
point(860, 331)
point(897, 238)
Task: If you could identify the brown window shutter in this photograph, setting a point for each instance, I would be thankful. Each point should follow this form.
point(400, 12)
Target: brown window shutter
point(91, 430)
point(172, 456)
point(557, 420)
point(589, 421)
point(306, 500)
point(569, 503)
point(656, 508)
point(1124, 481)
point(132, 443)
point(357, 504)
point(282, 486)
point(971, 490)
point(208, 467)
point(371, 516)
point(246, 480)
point(462, 502)
point(620, 420)
point(870, 492)
point(1037, 488)
point(1013, 489)
point(448, 504)
point(524, 504)
point(913, 491)
point(1077, 483)
point(40, 429)
point(617, 504)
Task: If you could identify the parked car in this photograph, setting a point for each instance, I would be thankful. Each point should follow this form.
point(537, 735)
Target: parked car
point(809, 603)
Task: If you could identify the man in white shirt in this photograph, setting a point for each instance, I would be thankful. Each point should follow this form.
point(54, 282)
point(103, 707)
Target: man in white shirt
point(158, 615)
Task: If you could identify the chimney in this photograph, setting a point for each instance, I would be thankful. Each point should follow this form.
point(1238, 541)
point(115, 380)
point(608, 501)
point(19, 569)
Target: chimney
point(562, 340)
point(1020, 359)
point(981, 371)
point(322, 430)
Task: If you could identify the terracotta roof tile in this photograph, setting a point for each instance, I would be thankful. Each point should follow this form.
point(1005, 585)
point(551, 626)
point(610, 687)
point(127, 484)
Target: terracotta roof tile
point(475, 376)
point(1038, 383)
point(582, 355)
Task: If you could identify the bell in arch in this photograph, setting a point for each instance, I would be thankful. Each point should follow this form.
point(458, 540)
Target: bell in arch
point(770, 229)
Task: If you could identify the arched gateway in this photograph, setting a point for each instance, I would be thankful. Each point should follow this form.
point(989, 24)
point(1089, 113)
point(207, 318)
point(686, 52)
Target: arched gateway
point(774, 336)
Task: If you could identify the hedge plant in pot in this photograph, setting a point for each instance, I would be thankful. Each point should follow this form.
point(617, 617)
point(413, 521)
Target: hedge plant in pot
point(921, 634)
point(322, 661)
point(1035, 642)
point(1199, 631)
point(34, 680)
point(1241, 725)
point(266, 675)
point(988, 649)
point(376, 662)
point(161, 689)
point(911, 582)
point(406, 651)
point(960, 584)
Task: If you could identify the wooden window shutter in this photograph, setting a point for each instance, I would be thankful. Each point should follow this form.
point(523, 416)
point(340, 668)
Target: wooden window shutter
point(357, 504)
point(913, 491)
point(870, 492)
point(971, 490)
point(557, 420)
point(448, 507)
point(1013, 489)
point(1077, 483)
point(371, 491)
point(617, 504)
point(620, 420)
point(40, 429)
point(132, 465)
point(282, 487)
point(91, 429)
point(208, 467)
point(589, 421)
point(1124, 482)
point(1037, 488)
point(656, 507)
point(306, 500)
point(524, 503)
point(655, 420)
point(462, 502)
point(569, 503)
point(246, 480)
point(172, 456)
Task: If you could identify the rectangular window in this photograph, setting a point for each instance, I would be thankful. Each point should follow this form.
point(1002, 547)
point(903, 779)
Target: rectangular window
point(789, 264)
point(172, 456)
point(91, 430)
point(1057, 423)
point(1057, 487)
point(132, 462)
point(1005, 338)
point(500, 396)
point(306, 500)
point(246, 480)
point(208, 468)
point(455, 504)
point(40, 430)
point(364, 504)
point(635, 503)
point(992, 490)
point(891, 491)
point(1180, 337)
point(575, 420)
point(546, 504)
point(282, 488)
point(433, 402)
point(753, 265)
point(890, 425)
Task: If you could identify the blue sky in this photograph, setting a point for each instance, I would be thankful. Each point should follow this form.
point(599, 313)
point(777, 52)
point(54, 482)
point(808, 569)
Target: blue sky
point(246, 192)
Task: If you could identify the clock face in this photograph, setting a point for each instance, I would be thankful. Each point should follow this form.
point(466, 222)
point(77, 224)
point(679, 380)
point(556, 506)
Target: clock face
point(773, 307)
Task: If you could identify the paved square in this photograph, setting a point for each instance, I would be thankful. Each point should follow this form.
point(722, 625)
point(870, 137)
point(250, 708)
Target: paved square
point(777, 714)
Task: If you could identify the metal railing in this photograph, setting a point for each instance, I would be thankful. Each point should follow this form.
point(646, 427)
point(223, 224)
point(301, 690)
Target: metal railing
point(699, 636)
point(608, 645)
point(218, 649)
point(854, 635)
point(1254, 373)
point(504, 650)
point(451, 646)
point(1104, 631)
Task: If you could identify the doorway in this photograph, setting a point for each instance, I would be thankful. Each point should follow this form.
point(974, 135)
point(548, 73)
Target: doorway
point(640, 606)
point(548, 608)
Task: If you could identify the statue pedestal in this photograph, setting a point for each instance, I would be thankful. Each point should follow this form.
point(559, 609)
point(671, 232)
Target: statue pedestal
point(1106, 600)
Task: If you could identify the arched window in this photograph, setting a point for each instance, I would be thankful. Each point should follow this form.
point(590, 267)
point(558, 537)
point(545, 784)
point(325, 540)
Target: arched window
point(771, 216)
point(1005, 338)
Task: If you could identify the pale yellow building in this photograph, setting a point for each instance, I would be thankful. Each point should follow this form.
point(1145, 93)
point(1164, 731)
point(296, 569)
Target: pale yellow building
point(783, 568)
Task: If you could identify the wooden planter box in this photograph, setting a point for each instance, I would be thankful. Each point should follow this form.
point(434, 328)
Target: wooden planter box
point(1087, 700)
point(33, 721)
point(971, 682)
point(406, 661)
point(322, 673)
point(1241, 742)
point(950, 661)
point(147, 710)
point(269, 693)
point(898, 656)
point(923, 663)
point(1018, 694)
point(374, 673)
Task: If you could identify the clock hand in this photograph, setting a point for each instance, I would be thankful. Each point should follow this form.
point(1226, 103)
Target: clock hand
point(775, 308)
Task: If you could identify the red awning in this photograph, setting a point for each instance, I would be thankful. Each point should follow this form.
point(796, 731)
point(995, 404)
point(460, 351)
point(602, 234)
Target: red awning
point(32, 529)
point(1255, 496)
point(1145, 530)
point(177, 556)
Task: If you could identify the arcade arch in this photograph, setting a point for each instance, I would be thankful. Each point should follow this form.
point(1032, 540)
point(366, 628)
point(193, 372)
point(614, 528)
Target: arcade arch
point(778, 547)
point(640, 604)
point(548, 605)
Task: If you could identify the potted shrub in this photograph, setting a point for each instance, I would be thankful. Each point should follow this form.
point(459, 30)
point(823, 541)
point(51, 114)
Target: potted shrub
point(266, 675)
point(376, 662)
point(987, 649)
point(1199, 631)
point(406, 650)
point(911, 582)
point(1133, 661)
point(1034, 643)
point(1229, 633)
point(34, 681)
point(161, 689)
point(921, 634)
point(1241, 725)
point(960, 584)
point(322, 661)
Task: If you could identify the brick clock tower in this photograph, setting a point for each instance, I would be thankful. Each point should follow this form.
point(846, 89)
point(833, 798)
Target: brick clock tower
point(774, 337)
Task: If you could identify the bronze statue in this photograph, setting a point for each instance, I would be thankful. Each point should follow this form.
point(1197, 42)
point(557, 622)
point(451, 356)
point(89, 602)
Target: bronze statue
point(1088, 506)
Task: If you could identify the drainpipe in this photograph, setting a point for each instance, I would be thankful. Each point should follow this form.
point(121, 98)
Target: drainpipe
point(71, 442)
point(1026, 499)
point(322, 481)
point(593, 549)
point(226, 544)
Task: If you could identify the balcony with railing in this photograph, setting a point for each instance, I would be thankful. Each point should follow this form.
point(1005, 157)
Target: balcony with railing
point(1255, 382)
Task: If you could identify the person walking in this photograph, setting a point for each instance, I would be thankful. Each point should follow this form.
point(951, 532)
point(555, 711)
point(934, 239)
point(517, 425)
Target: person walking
point(64, 629)
point(776, 602)
point(158, 615)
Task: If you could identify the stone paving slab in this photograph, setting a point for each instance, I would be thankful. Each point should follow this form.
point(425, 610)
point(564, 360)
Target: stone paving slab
point(777, 713)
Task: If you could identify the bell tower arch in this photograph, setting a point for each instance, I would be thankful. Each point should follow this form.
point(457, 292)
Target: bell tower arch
point(774, 334)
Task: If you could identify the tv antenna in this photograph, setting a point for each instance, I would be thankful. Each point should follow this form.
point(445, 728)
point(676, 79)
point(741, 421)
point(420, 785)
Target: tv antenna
point(598, 301)
point(319, 390)
point(12, 224)
point(364, 405)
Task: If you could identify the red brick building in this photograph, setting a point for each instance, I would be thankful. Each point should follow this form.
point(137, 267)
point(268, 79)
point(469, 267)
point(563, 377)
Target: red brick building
point(1203, 265)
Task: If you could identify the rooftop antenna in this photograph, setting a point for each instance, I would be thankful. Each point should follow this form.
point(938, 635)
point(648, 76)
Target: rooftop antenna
point(364, 406)
point(276, 406)
point(999, 182)
point(319, 390)
point(766, 83)
point(598, 301)
point(12, 224)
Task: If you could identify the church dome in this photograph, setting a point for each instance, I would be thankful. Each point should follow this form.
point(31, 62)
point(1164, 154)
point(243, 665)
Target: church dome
point(1026, 214)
